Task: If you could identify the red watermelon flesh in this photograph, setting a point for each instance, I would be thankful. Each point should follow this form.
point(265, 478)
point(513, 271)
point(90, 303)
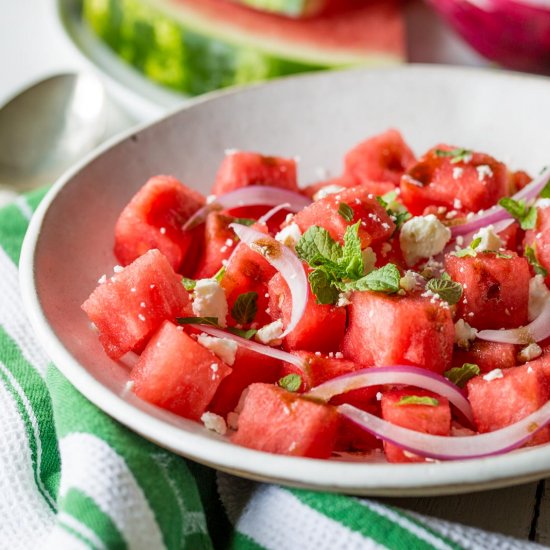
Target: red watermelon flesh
point(465, 186)
point(390, 330)
point(240, 169)
point(176, 373)
point(322, 326)
point(382, 158)
point(495, 289)
point(539, 239)
point(375, 224)
point(277, 421)
point(487, 355)
point(499, 402)
point(366, 32)
point(353, 438)
point(219, 243)
point(249, 367)
point(430, 419)
point(130, 306)
point(154, 219)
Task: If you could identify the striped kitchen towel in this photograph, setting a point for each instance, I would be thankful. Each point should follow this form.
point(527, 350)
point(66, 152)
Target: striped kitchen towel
point(71, 477)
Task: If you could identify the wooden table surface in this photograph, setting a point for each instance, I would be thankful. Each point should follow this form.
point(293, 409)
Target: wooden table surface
point(522, 512)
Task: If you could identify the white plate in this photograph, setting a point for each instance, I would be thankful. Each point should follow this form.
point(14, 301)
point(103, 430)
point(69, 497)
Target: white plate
point(318, 117)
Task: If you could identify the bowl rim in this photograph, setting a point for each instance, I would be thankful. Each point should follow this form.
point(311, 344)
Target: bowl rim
point(439, 478)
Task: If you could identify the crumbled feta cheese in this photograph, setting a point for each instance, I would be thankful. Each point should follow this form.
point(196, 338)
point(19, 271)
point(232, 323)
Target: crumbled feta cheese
point(408, 281)
point(493, 375)
point(457, 172)
point(271, 334)
point(141, 317)
point(209, 300)
point(532, 351)
point(343, 299)
point(457, 204)
point(378, 396)
point(214, 423)
point(230, 151)
point(538, 296)
point(542, 203)
point(422, 237)
point(489, 239)
point(338, 355)
point(224, 348)
point(289, 235)
point(162, 230)
point(464, 333)
point(118, 269)
point(369, 260)
point(102, 280)
point(483, 171)
point(326, 191)
point(385, 249)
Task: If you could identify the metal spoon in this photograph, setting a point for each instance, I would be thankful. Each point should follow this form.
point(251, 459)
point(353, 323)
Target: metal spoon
point(47, 127)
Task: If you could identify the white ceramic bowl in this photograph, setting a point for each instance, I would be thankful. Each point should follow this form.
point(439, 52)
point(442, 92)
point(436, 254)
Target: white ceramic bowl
point(318, 117)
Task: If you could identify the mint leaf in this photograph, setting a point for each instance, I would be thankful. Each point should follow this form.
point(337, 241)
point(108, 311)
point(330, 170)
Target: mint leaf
point(317, 247)
point(248, 334)
point(212, 321)
point(531, 255)
point(346, 211)
point(384, 279)
point(545, 193)
point(461, 375)
point(527, 216)
point(456, 155)
point(351, 261)
point(290, 382)
point(321, 284)
point(447, 290)
point(189, 284)
point(418, 400)
point(219, 275)
point(475, 243)
point(245, 221)
point(245, 308)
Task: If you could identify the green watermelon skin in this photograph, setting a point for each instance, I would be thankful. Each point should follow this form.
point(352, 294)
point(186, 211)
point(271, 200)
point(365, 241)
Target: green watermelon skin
point(179, 45)
point(288, 8)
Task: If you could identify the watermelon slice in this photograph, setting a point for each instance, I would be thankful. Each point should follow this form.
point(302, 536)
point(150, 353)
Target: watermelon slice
point(199, 45)
point(129, 307)
point(277, 421)
point(177, 373)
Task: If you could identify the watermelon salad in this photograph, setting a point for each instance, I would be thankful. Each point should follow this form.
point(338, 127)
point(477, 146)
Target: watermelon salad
point(400, 309)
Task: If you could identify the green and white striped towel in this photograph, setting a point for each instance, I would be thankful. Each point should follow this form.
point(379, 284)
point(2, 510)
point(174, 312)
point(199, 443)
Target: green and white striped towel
point(71, 477)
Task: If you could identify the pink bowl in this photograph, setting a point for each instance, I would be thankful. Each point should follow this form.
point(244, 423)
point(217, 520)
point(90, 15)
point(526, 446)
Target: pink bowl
point(513, 33)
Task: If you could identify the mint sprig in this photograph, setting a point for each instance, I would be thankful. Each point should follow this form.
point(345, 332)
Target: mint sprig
point(526, 215)
point(461, 375)
point(448, 290)
point(531, 256)
point(418, 400)
point(340, 268)
point(456, 155)
point(290, 382)
point(245, 308)
point(346, 211)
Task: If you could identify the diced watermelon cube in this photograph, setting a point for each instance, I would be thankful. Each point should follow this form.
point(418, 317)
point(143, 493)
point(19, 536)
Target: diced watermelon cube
point(500, 401)
point(472, 183)
point(487, 355)
point(154, 219)
point(433, 419)
point(176, 373)
point(319, 368)
point(353, 438)
point(249, 367)
point(240, 169)
point(219, 242)
point(277, 421)
point(130, 306)
point(375, 225)
point(389, 330)
point(495, 289)
point(322, 326)
point(248, 271)
point(539, 239)
point(382, 158)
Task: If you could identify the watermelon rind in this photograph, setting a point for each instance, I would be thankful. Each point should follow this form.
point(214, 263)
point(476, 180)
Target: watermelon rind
point(177, 46)
point(289, 8)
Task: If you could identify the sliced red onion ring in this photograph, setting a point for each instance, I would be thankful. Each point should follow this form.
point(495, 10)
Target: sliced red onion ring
point(285, 262)
point(395, 374)
point(270, 213)
point(448, 447)
point(497, 213)
point(249, 196)
point(536, 331)
point(253, 346)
